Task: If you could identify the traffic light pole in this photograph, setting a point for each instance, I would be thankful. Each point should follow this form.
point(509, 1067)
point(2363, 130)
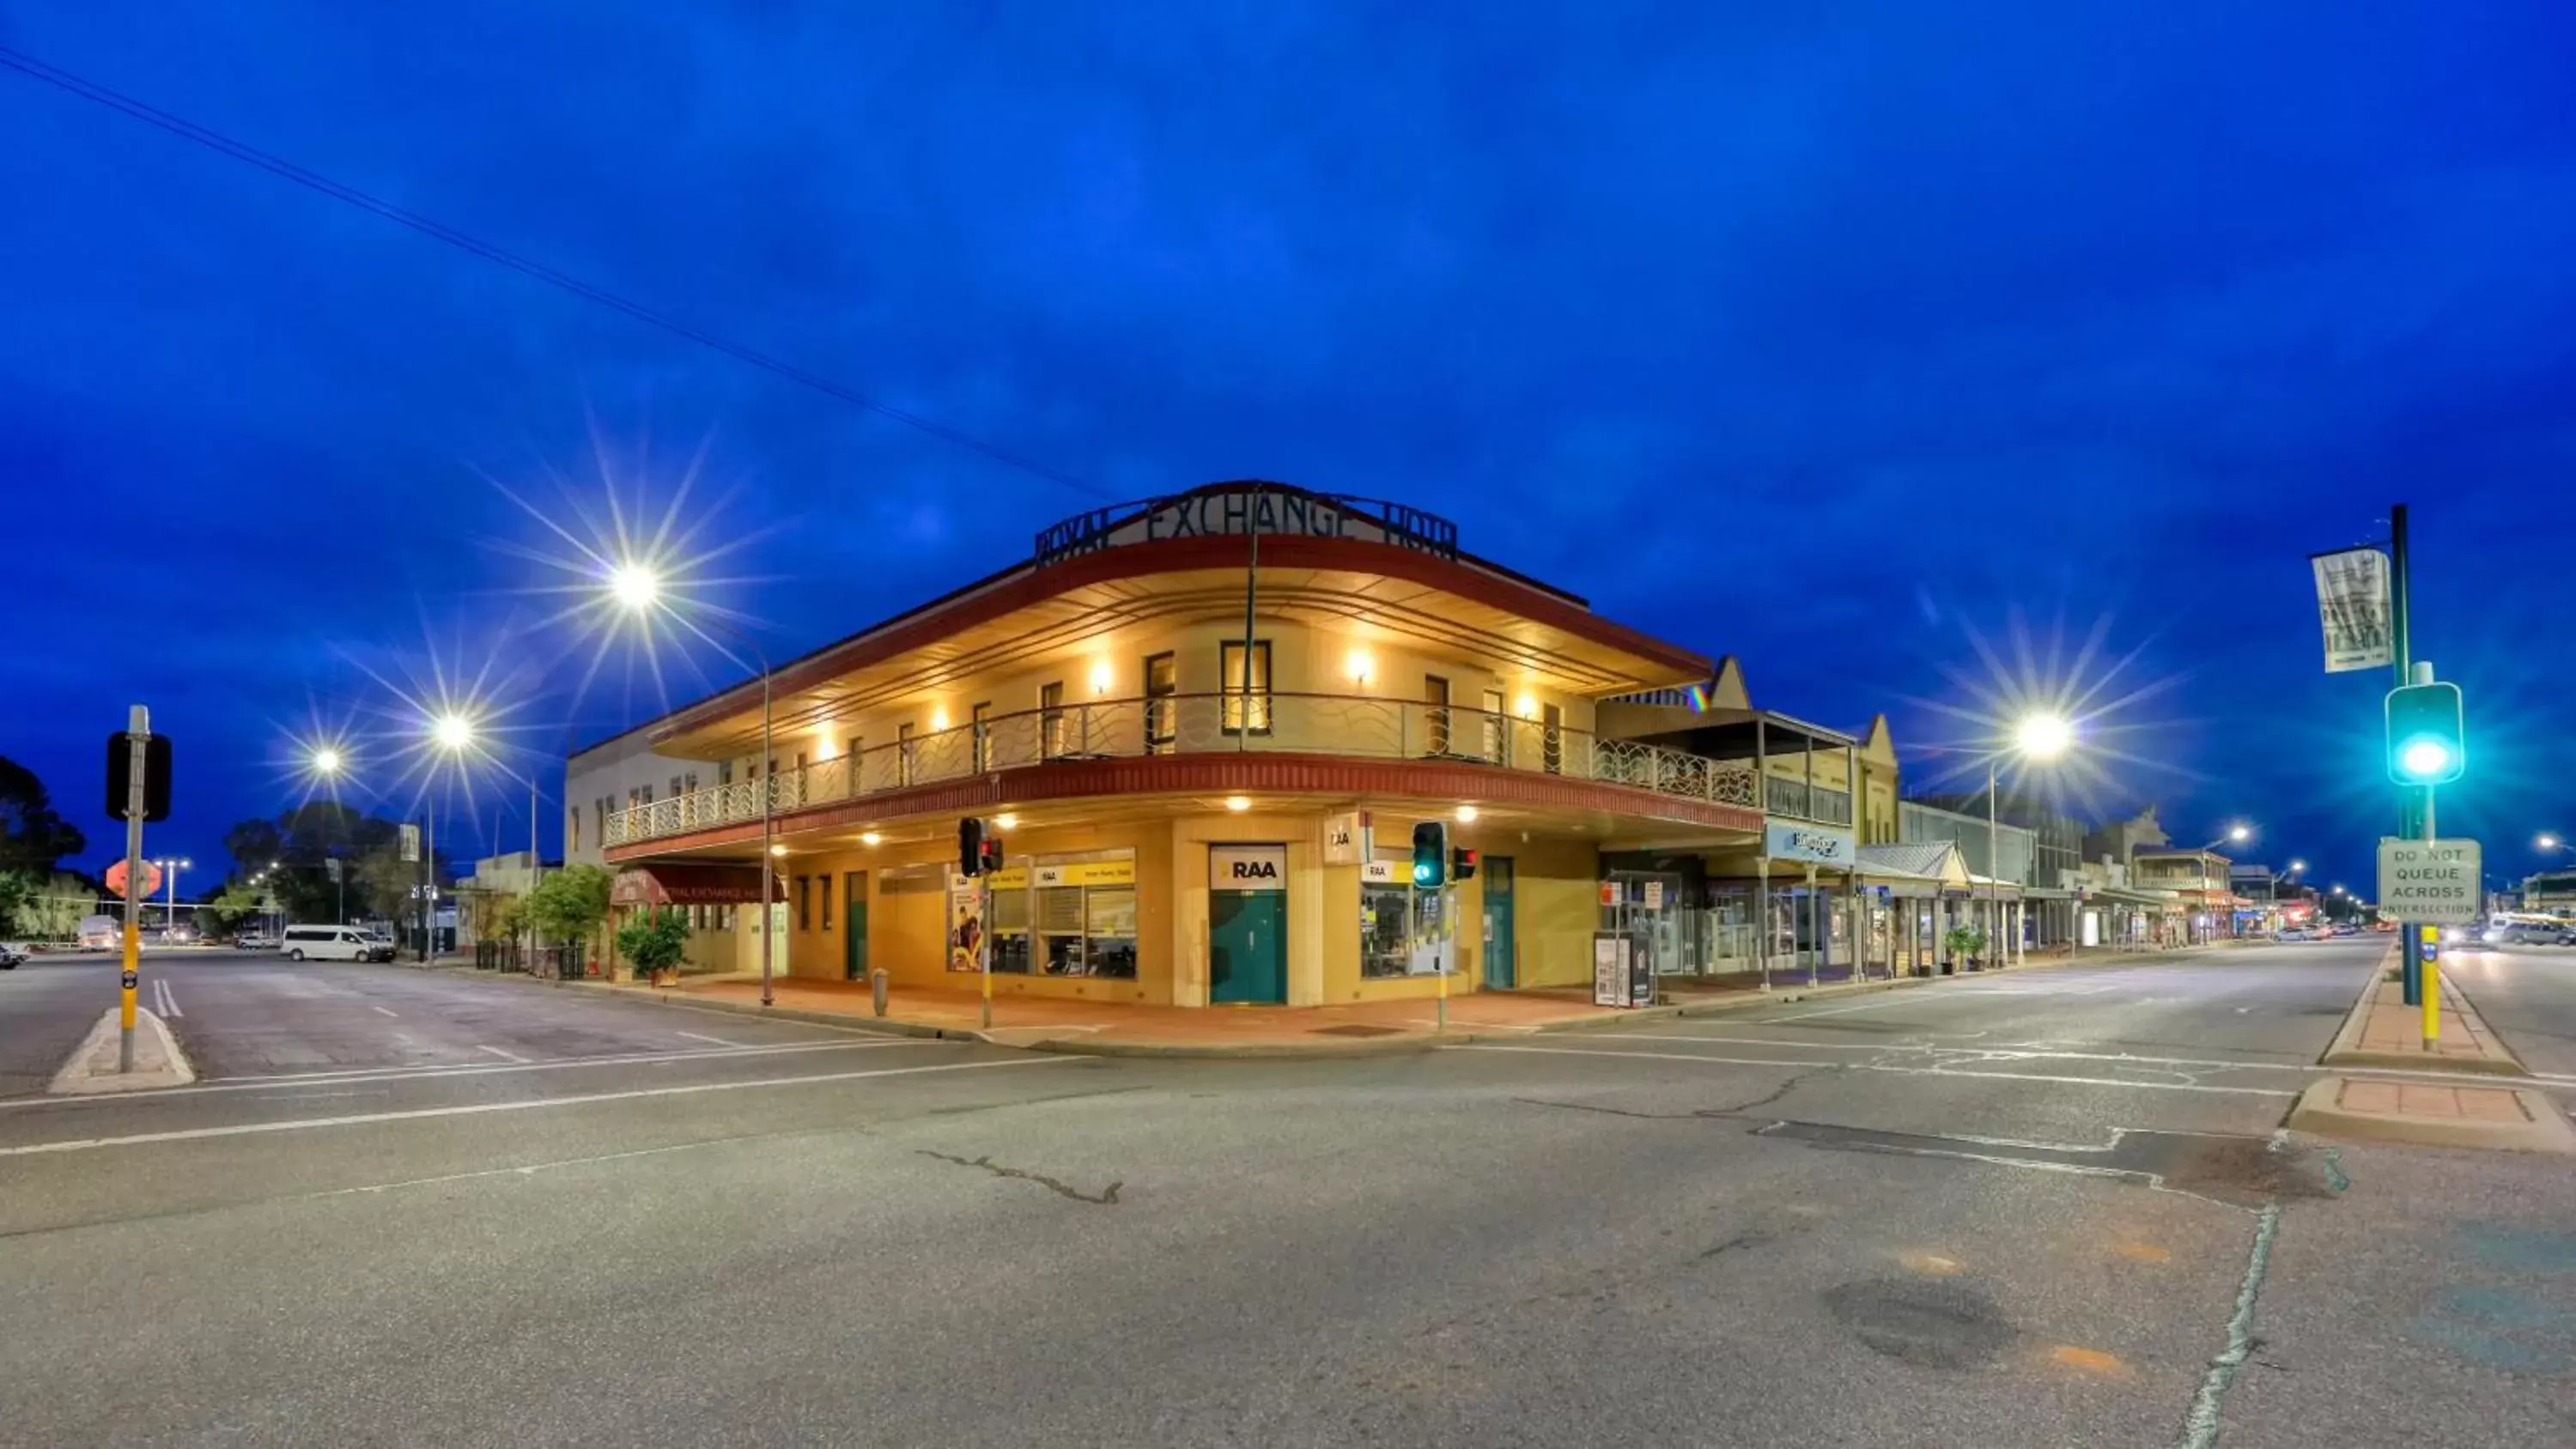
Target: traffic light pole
point(138, 736)
point(2401, 639)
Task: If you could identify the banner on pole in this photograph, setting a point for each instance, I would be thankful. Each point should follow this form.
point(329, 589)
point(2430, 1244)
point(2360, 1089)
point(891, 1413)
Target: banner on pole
point(2352, 604)
point(410, 843)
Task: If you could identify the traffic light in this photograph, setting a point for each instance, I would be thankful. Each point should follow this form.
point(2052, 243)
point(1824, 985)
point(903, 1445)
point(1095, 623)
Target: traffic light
point(156, 775)
point(1430, 854)
point(1462, 863)
point(992, 854)
point(970, 846)
point(2427, 744)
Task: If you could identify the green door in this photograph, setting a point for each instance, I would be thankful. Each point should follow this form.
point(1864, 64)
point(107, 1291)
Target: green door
point(1499, 960)
point(1248, 947)
point(854, 926)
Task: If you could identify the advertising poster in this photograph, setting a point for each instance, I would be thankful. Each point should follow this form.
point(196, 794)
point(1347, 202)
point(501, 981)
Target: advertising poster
point(965, 922)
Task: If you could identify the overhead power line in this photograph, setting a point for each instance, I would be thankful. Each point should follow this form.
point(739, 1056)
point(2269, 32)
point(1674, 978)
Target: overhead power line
point(216, 141)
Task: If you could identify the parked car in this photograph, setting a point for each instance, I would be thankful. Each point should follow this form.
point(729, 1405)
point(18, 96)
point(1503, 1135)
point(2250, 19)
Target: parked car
point(334, 943)
point(2525, 933)
point(254, 941)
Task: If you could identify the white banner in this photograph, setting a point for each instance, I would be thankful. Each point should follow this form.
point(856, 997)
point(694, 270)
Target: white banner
point(2352, 603)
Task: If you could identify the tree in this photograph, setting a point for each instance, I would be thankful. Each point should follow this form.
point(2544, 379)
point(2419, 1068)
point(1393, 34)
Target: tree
point(33, 839)
point(238, 901)
point(571, 903)
point(54, 912)
point(17, 889)
point(654, 941)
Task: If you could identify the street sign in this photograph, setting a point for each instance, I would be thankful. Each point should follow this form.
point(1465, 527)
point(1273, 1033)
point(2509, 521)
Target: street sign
point(411, 843)
point(2432, 881)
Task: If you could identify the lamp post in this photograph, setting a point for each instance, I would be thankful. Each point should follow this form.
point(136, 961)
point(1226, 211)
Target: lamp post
point(637, 589)
point(327, 764)
point(2038, 739)
point(170, 909)
point(453, 734)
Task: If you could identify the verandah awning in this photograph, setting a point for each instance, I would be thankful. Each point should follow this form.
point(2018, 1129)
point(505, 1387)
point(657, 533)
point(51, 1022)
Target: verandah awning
point(691, 885)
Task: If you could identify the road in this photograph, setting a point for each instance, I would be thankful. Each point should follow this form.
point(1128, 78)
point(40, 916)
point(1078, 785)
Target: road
point(2528, 996)
point(2041, 1208)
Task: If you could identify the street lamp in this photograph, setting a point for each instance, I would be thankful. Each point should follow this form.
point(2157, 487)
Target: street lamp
point(636, 588)
point(2037, 739)
point(453, 733)
point(170, 869)
point(2548, 840)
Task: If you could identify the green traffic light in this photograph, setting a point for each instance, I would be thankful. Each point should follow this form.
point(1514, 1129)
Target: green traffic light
point(2426, 739)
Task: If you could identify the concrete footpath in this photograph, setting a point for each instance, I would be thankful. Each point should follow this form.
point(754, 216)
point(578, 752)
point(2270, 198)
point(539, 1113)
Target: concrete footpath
point(1128, 1029)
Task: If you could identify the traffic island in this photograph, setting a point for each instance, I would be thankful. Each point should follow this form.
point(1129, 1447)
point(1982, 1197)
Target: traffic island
point(2433, 1114)
point(2383, 1031)
point(92, 1069)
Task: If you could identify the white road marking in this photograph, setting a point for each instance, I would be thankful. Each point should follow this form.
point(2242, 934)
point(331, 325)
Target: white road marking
point(528, 1170)
point(1892, 1070)
point(429, 1072)
point(2000, 1051)
point(379, 1008)
point(472, 1109)
point(161, 992)
point(713, 1040)
point(496, 1051)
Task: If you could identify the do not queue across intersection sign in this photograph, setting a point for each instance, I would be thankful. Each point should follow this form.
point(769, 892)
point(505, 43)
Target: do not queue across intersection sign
point(2432, 881)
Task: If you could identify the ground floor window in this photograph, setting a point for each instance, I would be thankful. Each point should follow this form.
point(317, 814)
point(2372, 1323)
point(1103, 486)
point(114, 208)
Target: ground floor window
point(1385, 948)
point(1085, 918)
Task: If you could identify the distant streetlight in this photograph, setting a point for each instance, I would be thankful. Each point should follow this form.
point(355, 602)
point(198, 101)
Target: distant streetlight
point(2297, 866)
point(2041, 738)
point(170, 868)
point(2549, 841)
point(453, 732)
point(327, 762)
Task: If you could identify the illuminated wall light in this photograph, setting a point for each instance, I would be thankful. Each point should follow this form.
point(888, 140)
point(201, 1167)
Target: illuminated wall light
point(1102, 676)
point(1238, 803)
point(1359, 664)
point(870, 837)
point(778, 850)
point(1005, 821)
point(1466, 814)
point(1526, 706)
point(938, 718)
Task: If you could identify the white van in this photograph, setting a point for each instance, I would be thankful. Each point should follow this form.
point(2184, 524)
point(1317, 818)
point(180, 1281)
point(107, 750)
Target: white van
point(333, 943)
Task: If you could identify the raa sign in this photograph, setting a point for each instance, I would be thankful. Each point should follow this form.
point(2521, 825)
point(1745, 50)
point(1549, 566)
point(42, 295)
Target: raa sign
point(1248, 867)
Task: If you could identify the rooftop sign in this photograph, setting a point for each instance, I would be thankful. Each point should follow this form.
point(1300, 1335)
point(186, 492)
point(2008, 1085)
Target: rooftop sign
point(1242, 509)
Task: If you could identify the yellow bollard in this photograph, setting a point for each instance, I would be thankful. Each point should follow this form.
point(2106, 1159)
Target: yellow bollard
point(2432, 990)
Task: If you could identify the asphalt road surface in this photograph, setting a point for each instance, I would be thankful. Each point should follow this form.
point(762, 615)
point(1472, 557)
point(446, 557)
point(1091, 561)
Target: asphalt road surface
point(2528, 996)
point(2042, 1208)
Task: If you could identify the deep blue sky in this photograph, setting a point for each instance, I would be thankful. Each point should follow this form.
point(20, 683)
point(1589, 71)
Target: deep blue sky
point(1820, 337)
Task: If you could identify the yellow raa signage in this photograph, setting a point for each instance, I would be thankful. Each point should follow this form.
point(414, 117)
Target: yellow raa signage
point(1071, 873)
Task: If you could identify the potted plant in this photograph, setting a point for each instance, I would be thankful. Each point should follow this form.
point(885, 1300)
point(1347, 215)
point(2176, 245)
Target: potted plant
point(1965, 941)
point(653, 942)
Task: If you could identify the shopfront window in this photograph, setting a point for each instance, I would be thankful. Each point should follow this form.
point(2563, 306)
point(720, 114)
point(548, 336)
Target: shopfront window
point(1085, 918)
point(1386, 949)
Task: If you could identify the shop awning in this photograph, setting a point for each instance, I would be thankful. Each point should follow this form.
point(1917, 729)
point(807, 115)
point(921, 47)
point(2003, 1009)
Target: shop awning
point(691, 885)
point(1913, 868)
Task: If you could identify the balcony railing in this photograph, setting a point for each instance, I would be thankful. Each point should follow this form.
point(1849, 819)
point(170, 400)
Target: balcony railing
point(1805, 801)
point(1353, 726)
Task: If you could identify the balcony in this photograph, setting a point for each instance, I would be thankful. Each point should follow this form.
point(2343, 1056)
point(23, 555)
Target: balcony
point(1349, 726)
point(1804, 801)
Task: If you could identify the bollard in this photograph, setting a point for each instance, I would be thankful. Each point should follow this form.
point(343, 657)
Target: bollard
point(877, 989)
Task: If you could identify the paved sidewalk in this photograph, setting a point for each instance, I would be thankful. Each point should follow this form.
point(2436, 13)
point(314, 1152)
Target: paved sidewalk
point(1349, 1029)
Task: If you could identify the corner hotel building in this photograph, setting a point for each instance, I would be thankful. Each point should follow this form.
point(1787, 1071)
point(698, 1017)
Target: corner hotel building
point(1190, 821)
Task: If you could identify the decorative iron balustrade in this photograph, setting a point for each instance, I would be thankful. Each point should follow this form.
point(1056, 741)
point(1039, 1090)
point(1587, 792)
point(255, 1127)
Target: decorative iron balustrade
point(1352, 726)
